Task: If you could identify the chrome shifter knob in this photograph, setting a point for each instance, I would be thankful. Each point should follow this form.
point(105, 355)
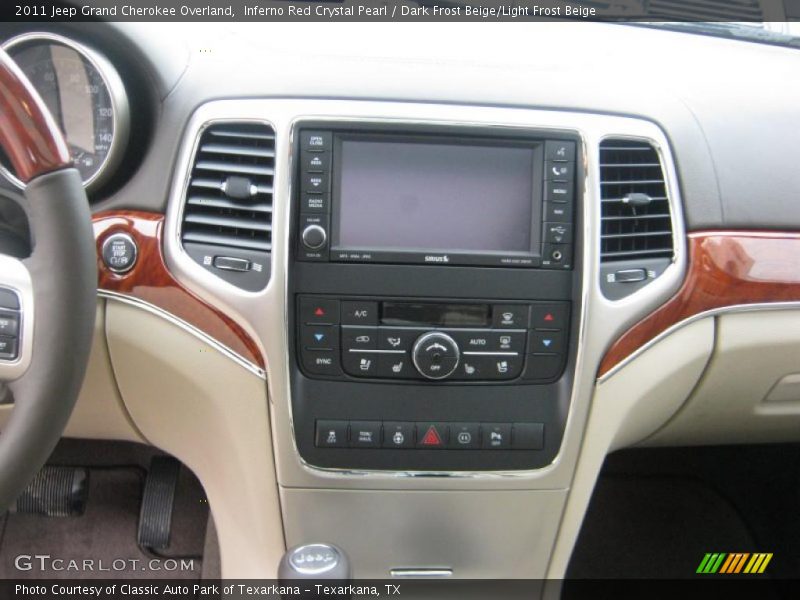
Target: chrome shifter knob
point(314, 561)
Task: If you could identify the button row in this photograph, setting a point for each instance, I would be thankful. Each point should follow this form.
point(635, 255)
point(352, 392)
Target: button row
point(559, 201)
point(331, 311)
point(315, 205)
point(402, 338)
point(430, 436)
point(9, 324)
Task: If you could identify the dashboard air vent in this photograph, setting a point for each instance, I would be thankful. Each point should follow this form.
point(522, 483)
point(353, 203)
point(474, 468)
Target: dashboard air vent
point(636, 220)
point(706, 10)
point(227, 216)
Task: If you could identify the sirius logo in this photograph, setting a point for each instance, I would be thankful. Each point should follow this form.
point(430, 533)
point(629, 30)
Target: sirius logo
point(438, 259)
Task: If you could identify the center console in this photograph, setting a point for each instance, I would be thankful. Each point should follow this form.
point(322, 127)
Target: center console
point(433, 287)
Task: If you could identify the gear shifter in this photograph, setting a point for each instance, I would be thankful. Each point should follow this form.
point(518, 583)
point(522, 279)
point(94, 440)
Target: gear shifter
point(324, 562)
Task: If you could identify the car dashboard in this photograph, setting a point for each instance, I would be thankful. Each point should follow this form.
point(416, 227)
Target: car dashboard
point(407, 302)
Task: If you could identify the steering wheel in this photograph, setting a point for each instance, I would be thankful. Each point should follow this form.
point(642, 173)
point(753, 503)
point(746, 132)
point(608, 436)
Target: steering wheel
point(47, 301)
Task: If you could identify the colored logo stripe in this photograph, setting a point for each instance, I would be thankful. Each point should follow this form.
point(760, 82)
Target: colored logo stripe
point(711, 562)
point(758, 563)
point(733, 563)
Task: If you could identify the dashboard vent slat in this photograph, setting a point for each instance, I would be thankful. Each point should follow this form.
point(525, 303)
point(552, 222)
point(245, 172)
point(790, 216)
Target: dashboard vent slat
point(240, 151)
point(633, 230)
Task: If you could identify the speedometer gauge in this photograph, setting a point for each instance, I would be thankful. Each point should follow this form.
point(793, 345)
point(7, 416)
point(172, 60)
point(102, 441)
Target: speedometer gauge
point(86, 96)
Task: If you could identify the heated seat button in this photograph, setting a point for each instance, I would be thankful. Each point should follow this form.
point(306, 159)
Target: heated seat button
point(319, 311)
point(527, 436)
point(365, 434)
point(504, 367)
point(433, 436)
point(496, 436)
point(9, 324)
point(398, 434)
point(360, 364)
point(465, 436)
point(331, 434)
point(396, 366)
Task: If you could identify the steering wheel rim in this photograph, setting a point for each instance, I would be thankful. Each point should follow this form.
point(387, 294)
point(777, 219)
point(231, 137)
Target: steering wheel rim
point(54, 288)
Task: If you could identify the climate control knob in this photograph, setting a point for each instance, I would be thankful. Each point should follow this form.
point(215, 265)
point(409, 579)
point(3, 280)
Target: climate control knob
point(314, 237)
point(435, 355)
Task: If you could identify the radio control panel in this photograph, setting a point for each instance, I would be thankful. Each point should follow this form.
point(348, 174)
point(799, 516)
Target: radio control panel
point(426, 341)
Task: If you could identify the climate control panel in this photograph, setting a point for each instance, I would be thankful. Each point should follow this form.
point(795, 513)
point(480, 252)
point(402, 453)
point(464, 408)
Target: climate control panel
point(431, 341)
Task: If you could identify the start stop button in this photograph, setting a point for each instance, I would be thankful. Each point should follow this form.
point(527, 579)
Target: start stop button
point(119, 252)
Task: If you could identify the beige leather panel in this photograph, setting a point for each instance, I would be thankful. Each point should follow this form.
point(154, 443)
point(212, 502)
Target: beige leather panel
point(99, 412)
point(628, 406)
point(193, 402)
point(751, 390)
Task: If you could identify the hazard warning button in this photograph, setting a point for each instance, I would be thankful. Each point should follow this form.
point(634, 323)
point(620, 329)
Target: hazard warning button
point(432, 435)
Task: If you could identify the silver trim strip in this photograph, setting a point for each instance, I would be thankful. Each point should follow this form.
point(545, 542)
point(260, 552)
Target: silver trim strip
point(121, 119)
point(265, 313)
point(188, 327)
point(734, 308)
point(421, 573)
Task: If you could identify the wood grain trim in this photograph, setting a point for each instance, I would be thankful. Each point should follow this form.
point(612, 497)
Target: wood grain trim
point(727, 268)
point(151, 281)
point(28, 133)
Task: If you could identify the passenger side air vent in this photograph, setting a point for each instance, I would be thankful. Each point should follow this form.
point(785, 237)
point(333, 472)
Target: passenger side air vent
point(636, 229)
point(707, 10)
point(227, 216)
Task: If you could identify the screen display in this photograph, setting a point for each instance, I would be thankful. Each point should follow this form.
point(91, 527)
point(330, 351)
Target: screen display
point(430, 196)
point(435, 315)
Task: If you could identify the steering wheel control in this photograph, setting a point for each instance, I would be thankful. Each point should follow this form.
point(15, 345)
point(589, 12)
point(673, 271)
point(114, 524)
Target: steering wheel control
point(10, 321)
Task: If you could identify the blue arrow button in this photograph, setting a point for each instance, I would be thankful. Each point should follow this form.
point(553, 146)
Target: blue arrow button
point(319, 336)
point(547, 343)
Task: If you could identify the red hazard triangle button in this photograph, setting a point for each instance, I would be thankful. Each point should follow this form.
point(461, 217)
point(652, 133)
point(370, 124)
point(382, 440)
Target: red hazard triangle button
point(319, 312)
point(432, 438)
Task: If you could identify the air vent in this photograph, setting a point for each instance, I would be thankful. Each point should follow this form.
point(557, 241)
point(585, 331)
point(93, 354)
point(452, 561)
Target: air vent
point(227, 216)
point(706, 10)
point(636, 220)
